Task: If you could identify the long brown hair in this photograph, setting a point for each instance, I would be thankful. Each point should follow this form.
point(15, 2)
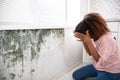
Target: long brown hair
point(94, 23)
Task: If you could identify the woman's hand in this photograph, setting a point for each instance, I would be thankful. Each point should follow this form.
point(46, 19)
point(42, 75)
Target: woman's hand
point(85, 38)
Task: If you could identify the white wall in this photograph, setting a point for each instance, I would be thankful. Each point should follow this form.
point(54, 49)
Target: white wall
point(33, 13)
point(108, 9)
point(73, 49)
point(16, 11)
point(23, 14)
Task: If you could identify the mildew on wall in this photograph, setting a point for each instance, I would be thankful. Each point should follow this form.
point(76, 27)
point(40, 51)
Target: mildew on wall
point(26, 54)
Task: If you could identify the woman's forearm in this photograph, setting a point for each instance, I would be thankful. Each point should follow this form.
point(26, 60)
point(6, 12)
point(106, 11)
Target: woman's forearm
point(93, 51)
point(86, 48)
point(86, 39)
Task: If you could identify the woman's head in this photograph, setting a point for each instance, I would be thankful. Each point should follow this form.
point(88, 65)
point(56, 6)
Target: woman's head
point(94, 23)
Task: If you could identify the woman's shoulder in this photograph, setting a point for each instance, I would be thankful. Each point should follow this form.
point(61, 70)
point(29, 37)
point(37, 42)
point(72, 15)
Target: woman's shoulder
point(106, 38)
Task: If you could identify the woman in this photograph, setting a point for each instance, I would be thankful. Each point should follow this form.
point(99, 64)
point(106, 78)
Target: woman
point(93, 32)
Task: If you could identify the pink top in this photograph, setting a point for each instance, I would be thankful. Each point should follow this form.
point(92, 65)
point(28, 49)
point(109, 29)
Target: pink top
point(107, 48)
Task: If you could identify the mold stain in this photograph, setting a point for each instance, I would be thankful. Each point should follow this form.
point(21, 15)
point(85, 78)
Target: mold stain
point(11, 47)
point(3, 78)
point(12, 76)
point(35, 38)
point(15, 42)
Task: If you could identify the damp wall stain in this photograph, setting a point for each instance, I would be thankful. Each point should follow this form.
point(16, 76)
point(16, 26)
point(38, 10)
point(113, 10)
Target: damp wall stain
point(20, 49)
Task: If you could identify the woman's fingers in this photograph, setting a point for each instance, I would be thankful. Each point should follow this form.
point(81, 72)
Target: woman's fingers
point(79, 40)
point(79, 36)
point(82, 37)
point(74, 31)
point(87, 33)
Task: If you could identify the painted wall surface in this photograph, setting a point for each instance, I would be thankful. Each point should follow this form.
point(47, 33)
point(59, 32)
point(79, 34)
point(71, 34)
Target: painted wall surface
point(31, 54)
point(109, 9)
point(16, 11)
point(33, 12)
point(38, 54)
point(73, 48)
